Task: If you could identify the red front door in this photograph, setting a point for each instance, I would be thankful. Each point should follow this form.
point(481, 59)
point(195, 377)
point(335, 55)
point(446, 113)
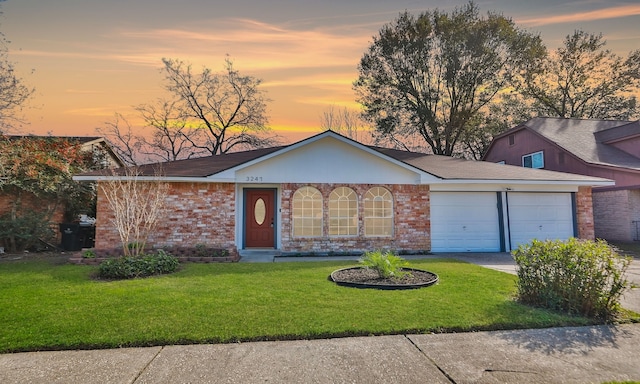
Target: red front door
point(259, 218)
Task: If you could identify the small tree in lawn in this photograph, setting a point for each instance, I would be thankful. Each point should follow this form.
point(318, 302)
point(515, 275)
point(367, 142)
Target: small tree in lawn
point(137, 207)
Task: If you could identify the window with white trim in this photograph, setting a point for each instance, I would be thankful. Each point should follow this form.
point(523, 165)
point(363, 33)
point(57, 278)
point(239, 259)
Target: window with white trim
point(343, 212)
point(307, 212)
point(378, 212)
point(533, 160)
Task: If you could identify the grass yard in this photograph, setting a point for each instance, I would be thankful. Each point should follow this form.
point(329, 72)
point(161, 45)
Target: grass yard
point(50, 307)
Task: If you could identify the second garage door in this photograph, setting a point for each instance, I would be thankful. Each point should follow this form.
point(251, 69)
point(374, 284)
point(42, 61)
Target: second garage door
point(542, 216)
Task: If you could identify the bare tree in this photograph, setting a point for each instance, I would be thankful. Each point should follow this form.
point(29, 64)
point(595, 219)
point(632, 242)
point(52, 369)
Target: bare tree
point(119, 134)
point(13, 92)
point(207, 113)
point(137, 207)
point(230, 109)
point(345, 122)
point(171, 139)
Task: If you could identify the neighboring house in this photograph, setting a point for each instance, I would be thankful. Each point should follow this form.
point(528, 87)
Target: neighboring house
point(600, 148)
point(329, 194)
point(97, 145)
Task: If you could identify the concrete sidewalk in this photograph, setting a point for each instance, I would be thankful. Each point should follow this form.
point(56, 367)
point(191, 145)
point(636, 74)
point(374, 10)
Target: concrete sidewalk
point(556, 355)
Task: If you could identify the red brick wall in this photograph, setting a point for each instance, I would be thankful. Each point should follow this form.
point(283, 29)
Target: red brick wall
point(412, 227)
point(584, 208)
point(614, 214)
point(204, 213)
point(196, 213)
point(31, 202)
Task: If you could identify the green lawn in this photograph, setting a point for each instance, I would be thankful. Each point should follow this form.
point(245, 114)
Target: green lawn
point(45, 306)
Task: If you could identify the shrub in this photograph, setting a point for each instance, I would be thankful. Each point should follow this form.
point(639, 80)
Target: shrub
point(387, 264)
point(25, 231)
point(577, 276)
point(129, 267)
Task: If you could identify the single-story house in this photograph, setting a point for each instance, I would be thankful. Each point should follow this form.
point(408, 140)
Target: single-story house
point(328, 193)
point(600, 148)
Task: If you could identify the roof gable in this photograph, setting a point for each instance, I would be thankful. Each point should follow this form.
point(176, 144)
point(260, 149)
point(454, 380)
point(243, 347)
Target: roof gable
point(327, 158)
point(618, 133)
point(585, 139)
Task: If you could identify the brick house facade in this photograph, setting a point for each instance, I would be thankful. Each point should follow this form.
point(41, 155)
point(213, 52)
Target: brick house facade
point(210, 200)
point(411, 222)
point(195, 213)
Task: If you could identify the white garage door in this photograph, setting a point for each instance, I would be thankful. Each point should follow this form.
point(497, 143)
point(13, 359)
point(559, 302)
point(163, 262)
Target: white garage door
point(464, 222)
point(542, 216)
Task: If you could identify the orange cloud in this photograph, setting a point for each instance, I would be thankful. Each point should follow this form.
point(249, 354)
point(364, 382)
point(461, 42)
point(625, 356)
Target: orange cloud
point(599, 14)
point(255, 45)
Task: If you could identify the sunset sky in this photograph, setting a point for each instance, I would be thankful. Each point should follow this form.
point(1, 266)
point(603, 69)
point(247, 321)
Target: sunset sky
point(89, 59)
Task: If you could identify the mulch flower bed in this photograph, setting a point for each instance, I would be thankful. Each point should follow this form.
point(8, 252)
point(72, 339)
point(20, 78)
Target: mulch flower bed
point(361, 277)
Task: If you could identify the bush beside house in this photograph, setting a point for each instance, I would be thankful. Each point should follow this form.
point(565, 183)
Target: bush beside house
point(577, 276)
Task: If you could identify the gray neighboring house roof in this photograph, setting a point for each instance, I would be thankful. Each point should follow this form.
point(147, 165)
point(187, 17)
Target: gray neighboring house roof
point(443, 167)
point(587, 139)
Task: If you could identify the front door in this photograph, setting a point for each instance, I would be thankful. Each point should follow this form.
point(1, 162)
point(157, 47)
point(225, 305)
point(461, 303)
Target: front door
point(259, 218)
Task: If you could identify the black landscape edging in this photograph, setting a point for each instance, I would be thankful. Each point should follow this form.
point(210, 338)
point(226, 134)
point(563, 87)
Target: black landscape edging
point(353, 284)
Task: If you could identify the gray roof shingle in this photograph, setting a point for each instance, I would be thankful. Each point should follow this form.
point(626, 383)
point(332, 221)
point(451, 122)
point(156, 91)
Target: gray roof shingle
point(197, 167)
point(451, 168)
point(443, 167)
point(586, 138)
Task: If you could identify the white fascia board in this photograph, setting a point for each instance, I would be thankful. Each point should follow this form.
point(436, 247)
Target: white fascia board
point(581, 183)
point(94, 142)
point(502, 188)
point(509, 185)
point(154, 178)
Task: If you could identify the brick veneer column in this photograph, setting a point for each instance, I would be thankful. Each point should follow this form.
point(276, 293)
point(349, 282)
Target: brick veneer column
point(584, 213)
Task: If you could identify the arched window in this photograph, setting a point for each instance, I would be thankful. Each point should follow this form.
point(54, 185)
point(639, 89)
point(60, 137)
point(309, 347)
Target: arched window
point(378, 212)
point(343, 212)
point(307, 212)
